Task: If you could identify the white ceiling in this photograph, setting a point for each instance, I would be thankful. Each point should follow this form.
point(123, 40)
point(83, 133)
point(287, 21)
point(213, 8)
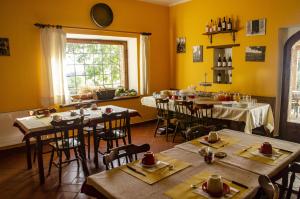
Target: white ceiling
point(166, 2)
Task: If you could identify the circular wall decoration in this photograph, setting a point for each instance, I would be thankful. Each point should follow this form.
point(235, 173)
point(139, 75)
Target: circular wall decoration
point(102, 15)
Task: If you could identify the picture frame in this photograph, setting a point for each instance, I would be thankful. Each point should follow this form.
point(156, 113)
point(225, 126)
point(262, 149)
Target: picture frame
point(181, 45)
point(197, 54)
point(4, 47)
point(255, 53)
point(256, 27)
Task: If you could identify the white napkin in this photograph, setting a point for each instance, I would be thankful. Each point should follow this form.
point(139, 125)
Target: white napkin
point(274, 156)
point(233, 192)
point(159, 165)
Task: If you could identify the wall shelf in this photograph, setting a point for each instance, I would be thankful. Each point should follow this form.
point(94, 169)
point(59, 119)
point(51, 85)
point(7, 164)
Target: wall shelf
point(222, 68)
point(210, 34)
point(223, 46)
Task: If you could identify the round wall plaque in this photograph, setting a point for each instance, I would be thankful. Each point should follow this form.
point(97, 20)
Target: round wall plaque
point(102, 15)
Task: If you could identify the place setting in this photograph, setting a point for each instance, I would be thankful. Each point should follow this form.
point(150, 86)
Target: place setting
point(154, 167)
point(264, 153)
point(207, 185)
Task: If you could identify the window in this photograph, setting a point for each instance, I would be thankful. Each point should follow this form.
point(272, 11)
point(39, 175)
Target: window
point(92, 63)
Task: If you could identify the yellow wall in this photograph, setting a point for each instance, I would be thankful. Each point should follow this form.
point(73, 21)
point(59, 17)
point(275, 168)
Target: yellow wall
point(19, 73)
point(254, 78)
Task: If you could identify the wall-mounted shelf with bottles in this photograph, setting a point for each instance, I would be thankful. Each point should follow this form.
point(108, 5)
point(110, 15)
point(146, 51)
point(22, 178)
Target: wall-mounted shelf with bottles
point(222, 70)
point(224, 46)
point(210, 34)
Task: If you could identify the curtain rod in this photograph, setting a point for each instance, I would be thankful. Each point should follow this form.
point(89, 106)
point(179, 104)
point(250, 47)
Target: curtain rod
point(39, 25)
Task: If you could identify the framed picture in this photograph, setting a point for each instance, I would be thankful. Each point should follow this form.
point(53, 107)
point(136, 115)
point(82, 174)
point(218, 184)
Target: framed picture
point(4, 47)
point(180, 45)
point(256, 27)
point(197, 53)
point(255, 53)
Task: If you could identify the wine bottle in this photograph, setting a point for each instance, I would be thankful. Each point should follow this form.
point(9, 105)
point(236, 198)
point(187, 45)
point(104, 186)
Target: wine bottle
point(211, 26)
point(229, 77)
point(207, 28)
point(219, 78)
point(224, 62)
point(224, 25)
point(229, 24)
point(215, 26)
point(219, 25)
point(219, 61)
point(229, 63)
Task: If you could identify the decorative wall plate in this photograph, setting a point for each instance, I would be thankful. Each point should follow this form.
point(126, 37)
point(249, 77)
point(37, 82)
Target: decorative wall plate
point(102, 15)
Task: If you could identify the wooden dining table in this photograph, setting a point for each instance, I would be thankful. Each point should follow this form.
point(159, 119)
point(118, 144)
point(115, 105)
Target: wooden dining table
point(33, 127)
point(118, 184)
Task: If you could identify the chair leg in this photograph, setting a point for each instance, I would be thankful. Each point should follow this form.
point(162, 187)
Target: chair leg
point(107, 146)
point(60, 166)
point(89, 145)
point(34, 154)
point(124, 141)
point(175, 131)
point(51, 162)
point(167, 130)
point(157, 125)
point(77, 158)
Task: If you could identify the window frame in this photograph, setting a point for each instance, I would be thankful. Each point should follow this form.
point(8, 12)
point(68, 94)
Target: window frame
point(111, 42)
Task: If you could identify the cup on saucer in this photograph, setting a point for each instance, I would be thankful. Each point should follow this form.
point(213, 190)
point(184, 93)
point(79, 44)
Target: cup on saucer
point(94, 106)
point(215, 185)
point(213, 136)
point(148, 159)
point(266, 148)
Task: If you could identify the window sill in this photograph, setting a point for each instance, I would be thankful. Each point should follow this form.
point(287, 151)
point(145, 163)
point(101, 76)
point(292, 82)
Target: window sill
point(98, 101)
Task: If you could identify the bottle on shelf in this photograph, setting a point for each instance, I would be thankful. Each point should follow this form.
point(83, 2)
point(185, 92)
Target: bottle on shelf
point(224, 62)
point(224, 25)
point(214, 26)
point(229, 62)
point(219, 64)
point(219, 25)
point(229, 24)
point(229, 77)
point(219, 78)
point(211, 26)
point(207, 28)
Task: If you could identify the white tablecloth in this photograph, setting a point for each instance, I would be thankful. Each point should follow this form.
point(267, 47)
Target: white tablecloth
point(253, 117)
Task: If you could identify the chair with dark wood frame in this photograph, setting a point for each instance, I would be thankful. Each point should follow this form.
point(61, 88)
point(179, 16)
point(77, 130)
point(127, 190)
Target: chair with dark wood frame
point(65, 140)
point(128, 152)
point(293, 168)
point(184, 116)
point(163, 115)
point(269, 189)
point(115, 127)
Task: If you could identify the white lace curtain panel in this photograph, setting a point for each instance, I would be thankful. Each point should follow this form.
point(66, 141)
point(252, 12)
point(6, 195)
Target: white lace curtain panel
point(144, 64)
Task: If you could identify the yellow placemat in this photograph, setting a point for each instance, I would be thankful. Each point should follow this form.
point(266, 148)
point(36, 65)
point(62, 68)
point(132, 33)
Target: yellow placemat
point(153, 177)
point(248, 153)
point(185, 191)
point(224, 141)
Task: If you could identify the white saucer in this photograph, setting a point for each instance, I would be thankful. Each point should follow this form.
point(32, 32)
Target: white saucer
point(150, 166)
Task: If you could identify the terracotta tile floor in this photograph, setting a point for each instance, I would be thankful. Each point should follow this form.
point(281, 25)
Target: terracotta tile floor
point(18, 182)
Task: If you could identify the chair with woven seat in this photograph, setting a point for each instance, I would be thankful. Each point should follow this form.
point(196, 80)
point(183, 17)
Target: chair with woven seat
point(65, 139)
point(183, 116)
point(128, 152)
point(163, 115)
point(88, 130)
point(116, 126)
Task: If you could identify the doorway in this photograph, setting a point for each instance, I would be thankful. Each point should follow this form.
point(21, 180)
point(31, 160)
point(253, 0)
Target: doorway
point(290, 95)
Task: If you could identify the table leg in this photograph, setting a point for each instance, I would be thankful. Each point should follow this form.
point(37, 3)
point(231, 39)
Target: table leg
point(40, 159)
point(28, 149)
point(95, 148)
point(129, 131)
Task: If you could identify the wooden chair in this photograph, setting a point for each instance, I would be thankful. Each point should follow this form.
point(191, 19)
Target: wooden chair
point(45, 138)
point(88, 130)
point(116, 126)
point(65, 140)
point(128, 152)
point(293, 168)
point(269, 189)
point(163, 115)
point(183, 115)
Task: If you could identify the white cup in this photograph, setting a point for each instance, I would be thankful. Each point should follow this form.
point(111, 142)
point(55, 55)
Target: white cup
point(57, 117)
point(213, 136)
point(94, 106)
point(215, 184)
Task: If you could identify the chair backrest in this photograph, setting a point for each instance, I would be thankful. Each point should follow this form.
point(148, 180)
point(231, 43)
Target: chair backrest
point(83, 105)
point(162, 107)
point(294, 168)
point(66, 132)
point(118, 121)
point(271, 190)
point(128, 152)
point(184, 110)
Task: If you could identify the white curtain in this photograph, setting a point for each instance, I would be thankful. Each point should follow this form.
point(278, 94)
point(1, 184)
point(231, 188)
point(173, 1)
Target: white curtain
point(53, 86)
point(144, 64)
